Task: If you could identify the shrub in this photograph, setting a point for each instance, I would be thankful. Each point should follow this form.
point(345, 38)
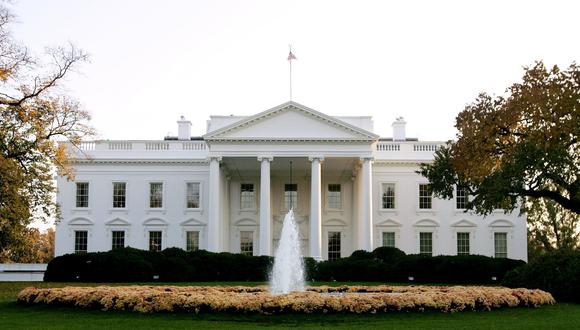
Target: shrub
point(362, 254)
point(557, 272)
point(388, 254)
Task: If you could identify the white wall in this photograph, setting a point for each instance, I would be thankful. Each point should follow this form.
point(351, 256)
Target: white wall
point(139, 218)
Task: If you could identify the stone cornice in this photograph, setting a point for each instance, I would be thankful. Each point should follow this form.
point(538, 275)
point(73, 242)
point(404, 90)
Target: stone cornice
point(379, 162)
point(141, 161)
point(288, 140)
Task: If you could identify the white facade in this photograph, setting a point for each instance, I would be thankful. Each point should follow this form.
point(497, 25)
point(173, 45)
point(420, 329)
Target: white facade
point(230, 189)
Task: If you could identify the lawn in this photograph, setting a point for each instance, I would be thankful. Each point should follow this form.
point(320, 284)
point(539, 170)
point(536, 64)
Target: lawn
point(14, 316)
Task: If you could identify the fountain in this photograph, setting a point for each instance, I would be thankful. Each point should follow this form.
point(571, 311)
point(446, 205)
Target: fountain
point(288, 272)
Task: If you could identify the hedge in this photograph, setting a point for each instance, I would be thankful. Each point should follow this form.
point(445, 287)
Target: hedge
point(175, 265)
point(392, 265)
point(557, 272)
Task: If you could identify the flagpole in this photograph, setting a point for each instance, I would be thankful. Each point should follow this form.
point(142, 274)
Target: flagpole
point(290, 61)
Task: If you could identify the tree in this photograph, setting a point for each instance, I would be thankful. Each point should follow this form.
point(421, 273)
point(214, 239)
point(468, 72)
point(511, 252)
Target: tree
point(34, 115)
point(38, 247)
point(524, 144)
point(551, 226)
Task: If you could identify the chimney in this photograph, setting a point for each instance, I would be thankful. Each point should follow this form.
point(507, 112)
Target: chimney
point(183, 129)
point(399, 129)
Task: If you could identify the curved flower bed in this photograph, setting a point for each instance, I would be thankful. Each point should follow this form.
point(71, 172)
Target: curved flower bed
point(238, 299)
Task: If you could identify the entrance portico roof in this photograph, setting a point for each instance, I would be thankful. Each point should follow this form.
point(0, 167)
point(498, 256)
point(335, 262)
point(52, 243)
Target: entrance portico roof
point(290, 122)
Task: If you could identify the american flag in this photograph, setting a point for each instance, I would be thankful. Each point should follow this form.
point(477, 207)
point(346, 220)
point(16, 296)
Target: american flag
point(291, 56)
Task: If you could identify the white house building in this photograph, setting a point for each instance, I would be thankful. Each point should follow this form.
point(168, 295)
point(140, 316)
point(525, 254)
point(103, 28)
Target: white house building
point(230, 189)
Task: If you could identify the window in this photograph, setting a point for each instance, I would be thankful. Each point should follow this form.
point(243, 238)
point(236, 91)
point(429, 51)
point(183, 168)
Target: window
point(192, 241)
point(500, 245)
point(247, 196)
point(118, 238)
point(119, 194)
point(334, 199)
point(192, 195)
point(155, 241)
point(82, 194)
point(462, 244)
point(155, 194)
point(425, 198)
point(389, 238)
point(461, 199)
point(290, 195)
point(426, 244)
point(388, 201)
point(247, 243)
point(333, 245)
point(81, 240)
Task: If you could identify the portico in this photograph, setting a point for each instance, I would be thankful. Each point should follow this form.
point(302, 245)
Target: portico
point(323, 150)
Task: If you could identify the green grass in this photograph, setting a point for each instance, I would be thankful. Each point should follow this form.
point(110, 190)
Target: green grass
point(14, 316)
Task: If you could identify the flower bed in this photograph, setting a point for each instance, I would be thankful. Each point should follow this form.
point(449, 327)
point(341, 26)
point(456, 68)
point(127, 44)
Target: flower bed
point(238, 299)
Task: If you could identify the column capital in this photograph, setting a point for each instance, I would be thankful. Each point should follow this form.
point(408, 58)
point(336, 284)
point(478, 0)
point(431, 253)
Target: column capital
point(367, 159)
point(212, 158)
point(264, 157)
point(313, 158)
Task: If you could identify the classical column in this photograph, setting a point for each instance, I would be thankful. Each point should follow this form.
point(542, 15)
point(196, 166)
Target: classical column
point(265, 214)
point(366, 221)
point(315, 209)
point(213, 225)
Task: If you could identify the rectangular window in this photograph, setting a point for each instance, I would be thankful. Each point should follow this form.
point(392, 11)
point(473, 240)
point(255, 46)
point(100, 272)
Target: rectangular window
point(461, 199)
point(119, 194)
point(334, 198)
point(192, 241)
point(155, 241)
point(192, 195)
point(425, 198)
point(247, 243)
point(118, 238)
point(81, 241)
point(500, 245)
point(290, 195)
point(388, 200)
point(247, 196)
point(462, 244)
point(333, 245)
point(426, 244)
point(389, 238)
point(155, 194)
point(82, 194)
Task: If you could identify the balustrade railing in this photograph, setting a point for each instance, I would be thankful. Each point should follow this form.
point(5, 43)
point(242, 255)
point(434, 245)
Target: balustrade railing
point(425, 147)
point(418, 147)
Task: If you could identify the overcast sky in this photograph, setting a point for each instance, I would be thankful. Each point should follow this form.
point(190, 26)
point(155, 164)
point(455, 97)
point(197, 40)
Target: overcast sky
point(152, 61)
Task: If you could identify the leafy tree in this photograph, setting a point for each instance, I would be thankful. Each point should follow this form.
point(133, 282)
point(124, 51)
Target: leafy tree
point(551, 226)
point(34, 115)
point(524, 144)
point(38, 247)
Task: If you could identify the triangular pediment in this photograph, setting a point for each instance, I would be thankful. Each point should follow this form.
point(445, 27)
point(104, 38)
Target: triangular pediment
point(192, 222)
point(290, 122)
point(118, 222)
point(464, 223)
